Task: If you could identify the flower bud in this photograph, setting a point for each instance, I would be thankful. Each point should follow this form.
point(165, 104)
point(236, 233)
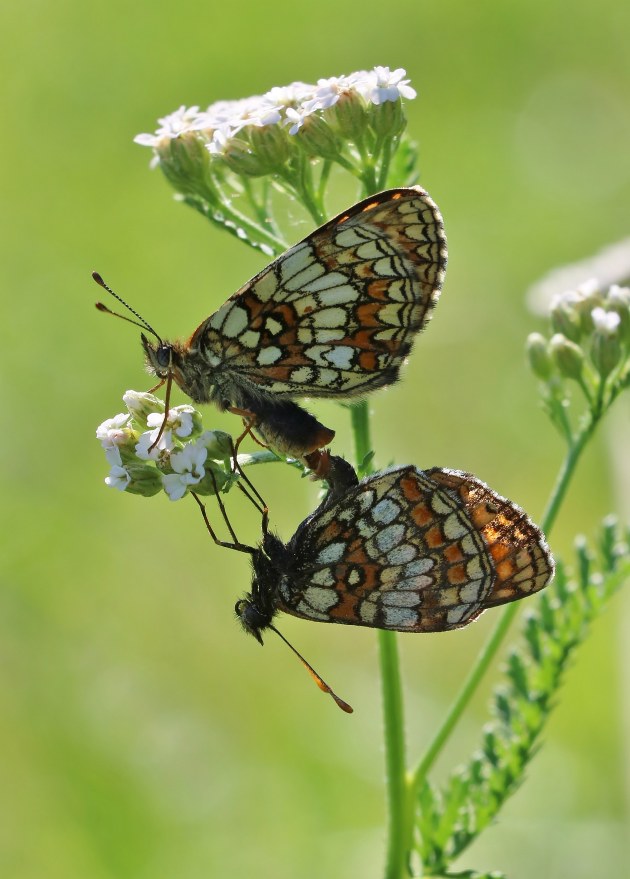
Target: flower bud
point(241, 158)
point(605, 352)
point(388, 119)
point(317, 138)
point(566, 319)
point(270, 145)
point(538, 355)
point(184, 161)
point(214, 479)
point(141, 405)
point(568, 356)
point(218, 443)
point(145, 480)
point(618, 301)
point(348, 115)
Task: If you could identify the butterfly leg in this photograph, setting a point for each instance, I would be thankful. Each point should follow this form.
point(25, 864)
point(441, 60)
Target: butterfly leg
point(236, 544)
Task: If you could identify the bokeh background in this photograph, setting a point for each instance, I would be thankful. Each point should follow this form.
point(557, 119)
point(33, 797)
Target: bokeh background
point(141, 734)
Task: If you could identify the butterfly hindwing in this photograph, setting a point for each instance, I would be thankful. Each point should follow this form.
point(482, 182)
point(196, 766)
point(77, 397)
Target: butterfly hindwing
point(413, 551)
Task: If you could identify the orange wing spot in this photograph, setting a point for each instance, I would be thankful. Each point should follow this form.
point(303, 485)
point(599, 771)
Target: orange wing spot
point(367, 361)
point(371, 206)
point(411, 489)
point(328, 534)
point(434, 537)
point(453, 553)
point(499, 551)
point(379, 289)
point(356, 554)
point(457, 575)
point(347, 607)
point(422, 515)
point(367, 315)
point(482, 514)
point(278, 373)
point(505, 570)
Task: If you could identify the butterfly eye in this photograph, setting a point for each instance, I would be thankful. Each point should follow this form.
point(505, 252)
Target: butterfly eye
point(163, 355)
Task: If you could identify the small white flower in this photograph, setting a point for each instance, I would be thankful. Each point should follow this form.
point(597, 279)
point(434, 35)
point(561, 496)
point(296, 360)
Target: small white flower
point(296, 118)
point(113, 431)
point(164, 444)
point(221, 140)
point(171, 126)
point(113, 456)
point(383, 84)
point(290, 95)
point(118, 478)
point(605, 322)
point(180, 419)
point(189, 470)
point(329, 91)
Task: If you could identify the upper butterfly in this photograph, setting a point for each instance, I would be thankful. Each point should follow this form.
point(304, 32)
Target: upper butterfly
point(334, 316)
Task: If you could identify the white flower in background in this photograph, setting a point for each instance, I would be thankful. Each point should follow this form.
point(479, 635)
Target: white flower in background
point(189, 470)
point(605, 322)
point(619, 295)
point(114, 432)
point(383, 85)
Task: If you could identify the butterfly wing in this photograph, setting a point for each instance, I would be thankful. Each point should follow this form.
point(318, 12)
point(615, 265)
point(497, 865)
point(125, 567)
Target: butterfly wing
point(414, 552)
point(336, 314)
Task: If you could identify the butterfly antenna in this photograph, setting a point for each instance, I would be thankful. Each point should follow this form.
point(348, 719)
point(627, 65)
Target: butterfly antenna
point(321, 683)
point(101, 307)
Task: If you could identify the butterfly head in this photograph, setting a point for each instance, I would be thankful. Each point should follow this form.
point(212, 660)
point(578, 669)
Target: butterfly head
point(253, 619)
point(159, 357)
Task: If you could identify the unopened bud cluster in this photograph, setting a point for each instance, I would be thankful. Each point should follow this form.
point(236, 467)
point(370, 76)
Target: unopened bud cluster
point(355, 121)
point(591, 338)
point(184, 458)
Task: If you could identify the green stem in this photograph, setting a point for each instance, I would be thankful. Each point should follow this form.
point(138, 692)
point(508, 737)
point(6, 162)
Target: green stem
point(399, 810)
point(493, 644)
point(399, 813)
point(360, 421)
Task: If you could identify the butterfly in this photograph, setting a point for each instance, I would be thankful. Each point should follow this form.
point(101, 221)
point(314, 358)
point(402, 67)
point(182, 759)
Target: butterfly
point(404, 549)
point(334, 316)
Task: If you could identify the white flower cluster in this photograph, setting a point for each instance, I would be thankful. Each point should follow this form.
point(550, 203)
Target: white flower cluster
point(591, 331)
point(288, 106)
point(183, 458)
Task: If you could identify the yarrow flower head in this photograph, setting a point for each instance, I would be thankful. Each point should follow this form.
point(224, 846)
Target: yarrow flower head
point(354, 120)
point(147, 456)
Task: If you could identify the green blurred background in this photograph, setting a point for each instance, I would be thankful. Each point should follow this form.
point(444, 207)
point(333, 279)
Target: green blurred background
point(141, 734)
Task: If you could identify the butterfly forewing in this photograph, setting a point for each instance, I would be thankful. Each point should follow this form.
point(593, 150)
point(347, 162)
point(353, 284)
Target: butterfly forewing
point(415, 552)
point(336, 314)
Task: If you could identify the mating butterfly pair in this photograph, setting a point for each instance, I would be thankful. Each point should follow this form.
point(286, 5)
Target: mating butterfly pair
point(335, 316)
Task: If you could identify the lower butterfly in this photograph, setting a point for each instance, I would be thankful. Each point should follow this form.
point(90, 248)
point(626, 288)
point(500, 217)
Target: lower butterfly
point(334, 316)
point(404, 549)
